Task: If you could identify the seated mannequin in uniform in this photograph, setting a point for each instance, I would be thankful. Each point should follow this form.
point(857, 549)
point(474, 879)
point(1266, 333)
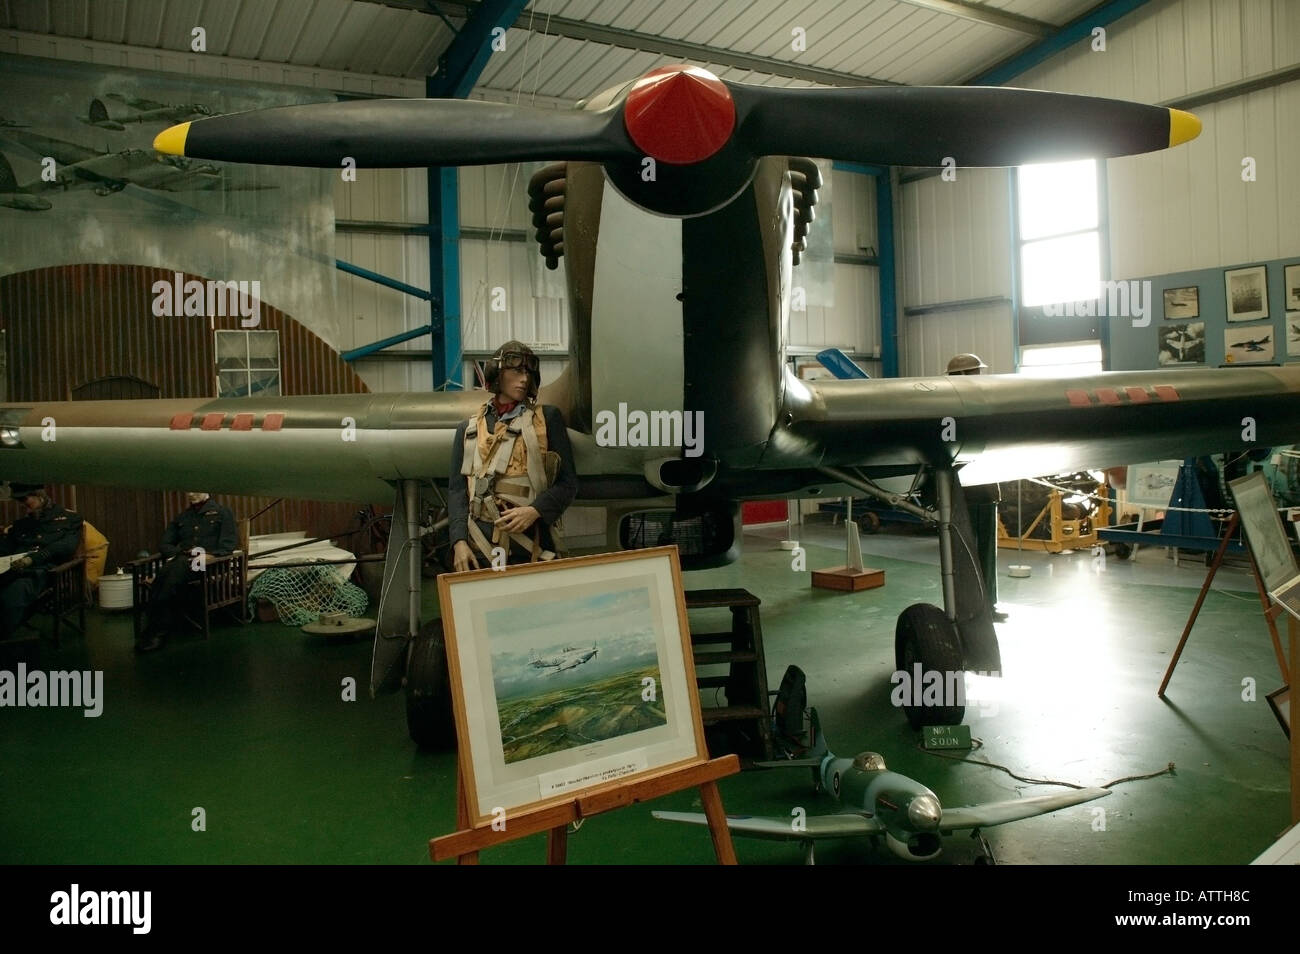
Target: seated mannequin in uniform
point(47, 535)
point(204, 524)
point(512, 473)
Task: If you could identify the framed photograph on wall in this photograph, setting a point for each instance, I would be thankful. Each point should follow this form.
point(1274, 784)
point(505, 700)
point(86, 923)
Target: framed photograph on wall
point(1182, 302)
point(1293, 335)
point(567, 676)
point(1182, 344)
point(1247, 290)
point(1291, 287)
point(1248, 345)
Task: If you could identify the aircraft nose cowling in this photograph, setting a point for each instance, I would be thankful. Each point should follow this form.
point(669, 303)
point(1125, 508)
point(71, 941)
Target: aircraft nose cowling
point(924, 813)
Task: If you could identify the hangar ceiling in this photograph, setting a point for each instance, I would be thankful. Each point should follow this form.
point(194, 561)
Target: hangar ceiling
point(568, 49)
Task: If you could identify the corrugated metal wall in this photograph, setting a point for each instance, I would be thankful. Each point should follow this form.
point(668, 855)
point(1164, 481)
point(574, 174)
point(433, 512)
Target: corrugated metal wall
point(1188, 208)
point(1170, 211)
point(73, 326)
point(956, 247)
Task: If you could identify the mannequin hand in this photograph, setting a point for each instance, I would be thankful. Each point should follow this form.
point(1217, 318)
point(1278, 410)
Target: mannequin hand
point(518, 519)
point(463, 556)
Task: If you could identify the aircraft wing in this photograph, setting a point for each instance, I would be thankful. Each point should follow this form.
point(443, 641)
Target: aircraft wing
point(999, 813)
point(781, 829)
point(1001, 427)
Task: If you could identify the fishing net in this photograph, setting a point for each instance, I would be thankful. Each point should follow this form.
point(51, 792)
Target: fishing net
point(301, 595)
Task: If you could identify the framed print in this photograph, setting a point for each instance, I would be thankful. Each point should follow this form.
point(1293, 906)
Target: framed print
point(1151, 485)
point(1248, 345)
point(1293, 335)
point(1183, 344)
point(567, 676)
point(1279, 700)
point(1247, 290)
point(1182, 302)
point(1291, 287)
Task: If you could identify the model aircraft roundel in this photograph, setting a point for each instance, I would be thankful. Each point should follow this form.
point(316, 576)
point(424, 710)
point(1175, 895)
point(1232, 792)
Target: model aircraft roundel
point(679, 114)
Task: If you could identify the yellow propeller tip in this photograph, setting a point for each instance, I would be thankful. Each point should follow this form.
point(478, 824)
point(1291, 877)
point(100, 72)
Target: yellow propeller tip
point(171, 141)
point(1183, 127)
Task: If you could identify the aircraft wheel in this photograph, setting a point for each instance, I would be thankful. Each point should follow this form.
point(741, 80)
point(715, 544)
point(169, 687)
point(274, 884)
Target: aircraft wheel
point(1123, 551)
point(925, 635)
point(428, 691)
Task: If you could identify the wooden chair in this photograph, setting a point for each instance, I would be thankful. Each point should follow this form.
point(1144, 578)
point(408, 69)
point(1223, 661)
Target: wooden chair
point(224, 584)
point(64, 597)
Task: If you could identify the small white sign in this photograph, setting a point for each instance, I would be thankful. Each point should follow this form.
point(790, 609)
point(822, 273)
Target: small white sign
point(592, 773)
point(7, 561)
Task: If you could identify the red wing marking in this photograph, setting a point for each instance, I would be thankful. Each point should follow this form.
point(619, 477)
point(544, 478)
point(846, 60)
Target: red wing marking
point(1167, 393)
point(1078, 398)
point(242, 422)
point(1137, 395)
point(212, 422)
point(181, 422)
point(1108, 396)
point(272, 422)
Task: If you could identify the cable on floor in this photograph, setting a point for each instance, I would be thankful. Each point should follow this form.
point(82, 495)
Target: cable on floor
point(979, 743)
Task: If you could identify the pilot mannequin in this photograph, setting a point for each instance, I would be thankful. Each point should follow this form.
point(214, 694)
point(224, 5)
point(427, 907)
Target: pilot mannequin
point(982, 503)
point(512, 473)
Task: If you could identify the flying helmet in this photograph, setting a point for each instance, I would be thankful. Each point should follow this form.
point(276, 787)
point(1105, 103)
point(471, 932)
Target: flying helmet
point(966, 364)
point(514, 355)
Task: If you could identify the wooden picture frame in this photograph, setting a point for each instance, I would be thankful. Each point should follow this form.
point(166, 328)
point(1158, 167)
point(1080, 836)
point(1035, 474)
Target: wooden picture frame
point(1182, 302)
point(1246, 293)
point(542, 720)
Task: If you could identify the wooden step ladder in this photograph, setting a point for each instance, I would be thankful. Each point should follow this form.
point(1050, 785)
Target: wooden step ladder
point(746, 681)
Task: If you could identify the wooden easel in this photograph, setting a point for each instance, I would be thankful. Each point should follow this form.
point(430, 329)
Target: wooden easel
point(1271, 611)
point(465, 844)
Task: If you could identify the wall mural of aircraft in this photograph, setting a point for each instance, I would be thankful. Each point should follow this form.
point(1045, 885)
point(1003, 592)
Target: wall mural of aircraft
point(567, 658)
point(679, 298)
point(107, 172)
point(878, 803)
point(146, 111)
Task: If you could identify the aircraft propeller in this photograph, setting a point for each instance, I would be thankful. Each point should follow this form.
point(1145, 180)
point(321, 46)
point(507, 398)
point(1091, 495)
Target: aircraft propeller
point(683, 115)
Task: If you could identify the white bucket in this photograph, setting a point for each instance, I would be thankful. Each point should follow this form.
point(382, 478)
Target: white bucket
point(115, 591)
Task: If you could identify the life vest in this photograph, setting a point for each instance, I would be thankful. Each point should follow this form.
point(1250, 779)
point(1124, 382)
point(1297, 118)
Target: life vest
point(510, 464)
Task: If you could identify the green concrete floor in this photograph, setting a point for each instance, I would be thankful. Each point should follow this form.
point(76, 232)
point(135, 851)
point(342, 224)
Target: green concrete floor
point(251, 726)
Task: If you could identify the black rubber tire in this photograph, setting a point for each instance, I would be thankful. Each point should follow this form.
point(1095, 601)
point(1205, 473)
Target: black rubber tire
point(1123, 551)
point(428, 691)
point(924, 634)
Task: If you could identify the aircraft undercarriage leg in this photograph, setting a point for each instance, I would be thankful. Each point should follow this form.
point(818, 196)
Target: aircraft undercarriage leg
point(947, 642)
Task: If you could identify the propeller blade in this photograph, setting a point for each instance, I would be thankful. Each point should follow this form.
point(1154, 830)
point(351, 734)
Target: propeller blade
point(972, 125)
point(399, 133)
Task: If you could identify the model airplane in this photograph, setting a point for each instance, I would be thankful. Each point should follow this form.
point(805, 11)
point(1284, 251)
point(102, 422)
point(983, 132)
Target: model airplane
point(883, 804)
point(678, 210)
point(567, 658)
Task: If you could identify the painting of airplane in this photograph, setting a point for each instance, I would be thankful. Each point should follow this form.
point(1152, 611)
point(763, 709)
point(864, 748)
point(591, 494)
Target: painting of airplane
point(1245, 344)
point(567, 658)
point(880, 804)
point(679, 297)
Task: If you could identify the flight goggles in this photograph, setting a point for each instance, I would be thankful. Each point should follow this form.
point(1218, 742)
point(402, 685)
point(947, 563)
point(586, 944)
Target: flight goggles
point(516, 361)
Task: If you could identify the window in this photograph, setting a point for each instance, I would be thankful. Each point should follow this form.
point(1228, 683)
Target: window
point(1060, 235)
point(248, 363)
point(1061, 360)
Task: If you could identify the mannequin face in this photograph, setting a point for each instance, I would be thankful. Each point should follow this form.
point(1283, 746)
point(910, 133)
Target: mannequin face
point(512, 385)
point(196, 498)
point(33, 502)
